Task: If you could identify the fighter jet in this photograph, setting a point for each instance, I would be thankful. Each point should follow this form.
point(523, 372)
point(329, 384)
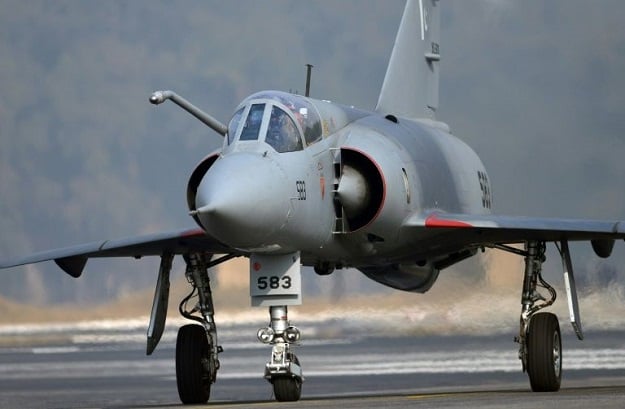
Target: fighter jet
point(306, 182)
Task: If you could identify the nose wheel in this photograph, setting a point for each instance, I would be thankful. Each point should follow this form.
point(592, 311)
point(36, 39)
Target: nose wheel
point(287, 388)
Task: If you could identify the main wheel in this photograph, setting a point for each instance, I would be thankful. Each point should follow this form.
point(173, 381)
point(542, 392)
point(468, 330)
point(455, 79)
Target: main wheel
point(192, 375)
point(544, 353)
point(287, 389)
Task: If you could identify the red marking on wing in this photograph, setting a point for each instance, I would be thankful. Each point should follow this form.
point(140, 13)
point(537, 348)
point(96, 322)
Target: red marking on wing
point(193, 232)
point(435, 221)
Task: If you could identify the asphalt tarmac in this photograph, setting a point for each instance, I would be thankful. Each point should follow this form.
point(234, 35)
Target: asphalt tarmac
point(109, 369)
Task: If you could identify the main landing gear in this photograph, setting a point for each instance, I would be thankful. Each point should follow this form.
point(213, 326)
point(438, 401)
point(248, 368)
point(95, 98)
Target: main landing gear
point(275, 282)
point(197, 350)
point(539, 339)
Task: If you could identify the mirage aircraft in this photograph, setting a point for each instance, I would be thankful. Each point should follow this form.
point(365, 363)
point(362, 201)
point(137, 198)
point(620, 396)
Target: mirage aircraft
point(306, 182)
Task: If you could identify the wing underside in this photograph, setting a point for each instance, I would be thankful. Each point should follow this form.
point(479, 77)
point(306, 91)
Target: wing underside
point(448, 232)
point(73, 259)
point(432, 233)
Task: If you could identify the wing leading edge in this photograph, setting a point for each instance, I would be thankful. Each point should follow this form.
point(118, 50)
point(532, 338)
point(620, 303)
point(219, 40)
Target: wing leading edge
point(73, 259)
point(464, 230)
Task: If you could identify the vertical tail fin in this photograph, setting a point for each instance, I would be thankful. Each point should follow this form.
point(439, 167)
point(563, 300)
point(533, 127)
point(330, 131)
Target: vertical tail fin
point(410, 87)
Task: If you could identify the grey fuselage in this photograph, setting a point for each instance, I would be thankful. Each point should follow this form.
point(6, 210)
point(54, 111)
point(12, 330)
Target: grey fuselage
point(342, 194)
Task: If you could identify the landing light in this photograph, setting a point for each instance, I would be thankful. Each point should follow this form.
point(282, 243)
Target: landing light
point(265, 335)
point(292, 335)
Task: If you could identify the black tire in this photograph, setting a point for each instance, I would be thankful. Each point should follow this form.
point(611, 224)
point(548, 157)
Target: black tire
point(287, 389)
point(192, 377)
point(544, 353)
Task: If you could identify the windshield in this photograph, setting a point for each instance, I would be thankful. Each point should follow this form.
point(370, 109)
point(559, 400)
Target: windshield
point(234, 125)
point(282, 133)
point(284, 121)
point(303, 111)
point(252, 123)
point(309, 120)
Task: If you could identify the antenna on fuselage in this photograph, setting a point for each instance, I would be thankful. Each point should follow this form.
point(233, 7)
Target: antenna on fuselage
point(308, 72)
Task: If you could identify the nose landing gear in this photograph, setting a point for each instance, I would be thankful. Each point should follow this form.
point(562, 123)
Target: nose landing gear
point(275, 281)
point(283, 370)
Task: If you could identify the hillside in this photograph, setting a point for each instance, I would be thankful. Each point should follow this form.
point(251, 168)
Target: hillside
point(538, 91)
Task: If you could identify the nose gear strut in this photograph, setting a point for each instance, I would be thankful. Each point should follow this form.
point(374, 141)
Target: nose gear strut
point(275, 282)
point(283, 370)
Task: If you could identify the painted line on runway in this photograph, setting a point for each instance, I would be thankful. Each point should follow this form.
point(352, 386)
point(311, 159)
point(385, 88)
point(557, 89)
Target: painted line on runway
point(431, 395)
point(55, 350)
point(314, 365)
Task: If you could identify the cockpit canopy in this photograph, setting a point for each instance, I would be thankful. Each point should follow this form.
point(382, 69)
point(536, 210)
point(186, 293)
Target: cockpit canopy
point(277, 118)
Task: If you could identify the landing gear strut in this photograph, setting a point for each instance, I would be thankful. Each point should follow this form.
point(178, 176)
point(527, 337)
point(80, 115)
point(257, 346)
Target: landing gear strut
point(540, 345)
point(196, 347)
point(275, 282)
point(539, 339)
point(283, 371)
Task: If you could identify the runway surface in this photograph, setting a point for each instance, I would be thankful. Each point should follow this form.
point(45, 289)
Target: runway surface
point(90, 367)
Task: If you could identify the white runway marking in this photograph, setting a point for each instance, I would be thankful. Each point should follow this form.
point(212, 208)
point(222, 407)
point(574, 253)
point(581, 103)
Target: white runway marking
point(315, 365)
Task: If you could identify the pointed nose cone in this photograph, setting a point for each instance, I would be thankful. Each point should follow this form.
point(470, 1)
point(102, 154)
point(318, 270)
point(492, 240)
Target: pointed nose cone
point(243, 201)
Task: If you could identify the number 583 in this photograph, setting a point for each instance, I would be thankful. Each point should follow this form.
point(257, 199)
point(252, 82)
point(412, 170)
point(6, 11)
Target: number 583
point(273, 282)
